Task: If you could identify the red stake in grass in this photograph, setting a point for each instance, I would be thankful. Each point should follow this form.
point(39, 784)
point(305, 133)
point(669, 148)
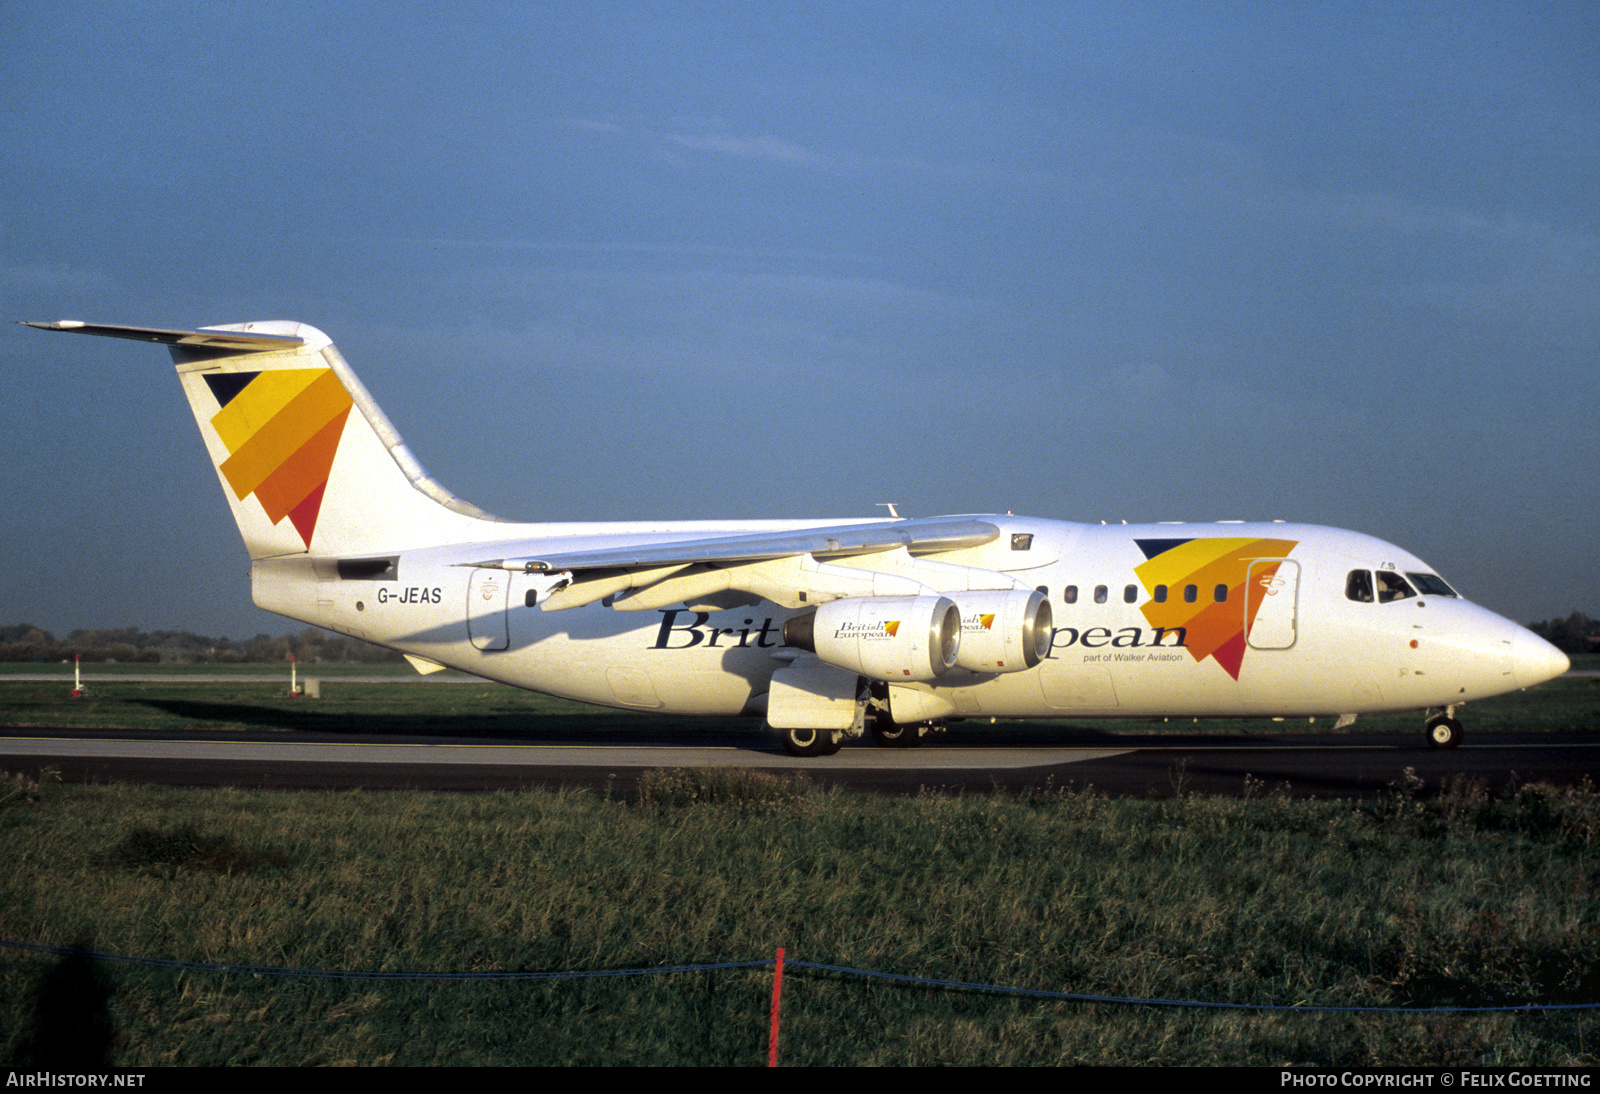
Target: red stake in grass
point(777, 990)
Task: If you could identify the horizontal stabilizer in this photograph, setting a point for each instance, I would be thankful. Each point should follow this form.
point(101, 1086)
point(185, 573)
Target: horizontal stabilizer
point(238, 341)
point(306, 459)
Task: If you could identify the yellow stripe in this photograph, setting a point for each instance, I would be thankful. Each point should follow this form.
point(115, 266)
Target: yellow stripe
point(261, 398)
point(266, 450)
point(1172, 567)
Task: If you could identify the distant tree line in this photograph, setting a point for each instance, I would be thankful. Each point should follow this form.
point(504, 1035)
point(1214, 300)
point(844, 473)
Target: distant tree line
point(1577, 633)
point(25, 642)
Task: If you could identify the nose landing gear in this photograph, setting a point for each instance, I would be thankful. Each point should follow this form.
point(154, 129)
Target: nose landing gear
point(1442, 730)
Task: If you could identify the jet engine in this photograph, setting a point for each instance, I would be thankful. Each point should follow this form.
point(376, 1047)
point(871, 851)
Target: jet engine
point(1003, 631)
point(882, 637)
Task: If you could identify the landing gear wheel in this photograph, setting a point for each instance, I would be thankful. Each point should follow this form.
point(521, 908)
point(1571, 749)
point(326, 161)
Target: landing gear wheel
point(890, 734)
point(1444, 732)
point(810, 742)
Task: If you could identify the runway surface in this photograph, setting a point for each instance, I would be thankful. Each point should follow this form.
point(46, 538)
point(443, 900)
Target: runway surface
point(1117, 764)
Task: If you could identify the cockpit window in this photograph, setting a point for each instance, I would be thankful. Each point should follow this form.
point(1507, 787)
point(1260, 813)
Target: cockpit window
point(1431, 584)
point(1358, 586)
point(1391, 586)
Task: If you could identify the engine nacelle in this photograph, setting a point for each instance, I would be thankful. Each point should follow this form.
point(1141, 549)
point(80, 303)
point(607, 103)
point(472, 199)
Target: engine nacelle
point(882, 637)
point(1003, 631)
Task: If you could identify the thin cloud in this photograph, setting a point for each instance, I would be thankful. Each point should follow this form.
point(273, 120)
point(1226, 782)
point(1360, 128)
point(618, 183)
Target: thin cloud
point(715, 137)
point(593, 125)
point(764, 147)
point(625, 247)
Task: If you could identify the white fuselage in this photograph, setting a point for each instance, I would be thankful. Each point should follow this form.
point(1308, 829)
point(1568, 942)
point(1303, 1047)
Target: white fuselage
point(1114, 651)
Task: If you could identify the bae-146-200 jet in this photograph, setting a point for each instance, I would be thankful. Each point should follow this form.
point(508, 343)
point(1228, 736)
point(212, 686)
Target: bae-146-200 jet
point(828, 629)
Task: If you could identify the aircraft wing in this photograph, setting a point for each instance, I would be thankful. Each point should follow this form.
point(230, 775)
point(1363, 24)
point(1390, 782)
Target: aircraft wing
point(782, 567)
point(920, 536)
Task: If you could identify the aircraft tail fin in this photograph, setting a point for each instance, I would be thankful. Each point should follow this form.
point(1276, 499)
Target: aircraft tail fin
point(307, 460)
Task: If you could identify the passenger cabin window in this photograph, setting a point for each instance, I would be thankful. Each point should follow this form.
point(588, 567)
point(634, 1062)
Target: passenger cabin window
point(1099, 594)
point(1130, 593)
point(1160, 595)
point(1358, 586)
point(1191, 593)
point(1043, 590)
point(1430, 584)
point(1391, 586)
point(1220, 594)
point(1069, 595)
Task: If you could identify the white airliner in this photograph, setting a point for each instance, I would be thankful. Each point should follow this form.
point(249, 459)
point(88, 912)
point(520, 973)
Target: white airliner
point(827, 628)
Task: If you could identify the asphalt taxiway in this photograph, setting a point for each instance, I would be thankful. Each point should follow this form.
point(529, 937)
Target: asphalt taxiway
point(1322, 765)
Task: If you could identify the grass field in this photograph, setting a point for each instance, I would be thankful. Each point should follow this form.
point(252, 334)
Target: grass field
point(1415, 899)
point(1457, 901)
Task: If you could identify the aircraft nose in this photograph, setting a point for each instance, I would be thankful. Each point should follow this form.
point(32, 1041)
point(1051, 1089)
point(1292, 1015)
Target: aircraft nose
point(1533, 660)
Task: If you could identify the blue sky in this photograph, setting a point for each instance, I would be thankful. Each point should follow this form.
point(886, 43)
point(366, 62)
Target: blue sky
point(1324, 262)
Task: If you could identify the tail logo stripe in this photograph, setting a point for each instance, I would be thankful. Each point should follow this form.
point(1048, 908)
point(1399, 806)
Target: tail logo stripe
point(282, 430)
point(284, 434)
point(254, 405)
point(303, 472)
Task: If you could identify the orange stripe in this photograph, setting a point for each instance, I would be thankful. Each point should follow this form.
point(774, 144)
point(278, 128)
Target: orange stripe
point(302, 472)
point(267, 449)
point(1212, 626)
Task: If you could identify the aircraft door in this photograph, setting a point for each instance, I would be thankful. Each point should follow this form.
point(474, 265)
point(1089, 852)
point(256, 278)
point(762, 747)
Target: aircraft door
point(1271, 591)
point(486, 608)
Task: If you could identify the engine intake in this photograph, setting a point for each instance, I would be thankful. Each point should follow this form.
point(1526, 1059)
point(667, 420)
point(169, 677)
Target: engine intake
point(1003, 631)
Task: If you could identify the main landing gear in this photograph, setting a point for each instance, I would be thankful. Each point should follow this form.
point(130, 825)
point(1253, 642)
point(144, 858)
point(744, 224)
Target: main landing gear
point(812, 742)
point(871, 712)
point(891, 734)
point(886, 732)
point(1442, 730)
